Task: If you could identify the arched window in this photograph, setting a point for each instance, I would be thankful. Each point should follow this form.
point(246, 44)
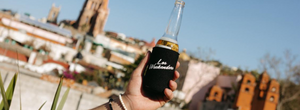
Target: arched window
point(216, 94)
point(93, 4)
point(273, 89)
point(247, 89)
point(53, 15)
point(100, 5)
point(86, 20)
point(271, 99)
point(96, 5)
point(248, 81)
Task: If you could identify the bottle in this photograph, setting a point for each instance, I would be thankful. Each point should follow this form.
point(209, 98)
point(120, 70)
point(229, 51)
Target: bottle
point(162, 62)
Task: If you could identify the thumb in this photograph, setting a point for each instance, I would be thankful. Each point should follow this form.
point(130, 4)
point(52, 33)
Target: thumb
point(142, 64)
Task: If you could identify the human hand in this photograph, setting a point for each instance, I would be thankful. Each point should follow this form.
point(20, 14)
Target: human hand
point(134, 96)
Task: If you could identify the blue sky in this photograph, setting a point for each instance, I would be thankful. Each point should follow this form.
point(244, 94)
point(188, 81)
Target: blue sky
point(239, 31)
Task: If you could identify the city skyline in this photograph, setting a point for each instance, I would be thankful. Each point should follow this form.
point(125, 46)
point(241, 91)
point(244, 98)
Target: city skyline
point(240, 32)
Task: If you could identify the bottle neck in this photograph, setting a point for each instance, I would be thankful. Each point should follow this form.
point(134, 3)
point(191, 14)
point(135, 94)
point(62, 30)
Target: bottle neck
point(173, 27)
point(165, 42)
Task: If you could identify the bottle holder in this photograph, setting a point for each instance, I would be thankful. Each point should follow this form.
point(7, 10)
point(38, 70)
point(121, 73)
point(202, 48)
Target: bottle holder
point(159, 70)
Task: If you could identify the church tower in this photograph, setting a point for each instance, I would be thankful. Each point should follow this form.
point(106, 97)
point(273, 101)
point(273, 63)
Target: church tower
point(272, 96)
point(246, 92)
point(260, 91)
point(93, 17)
point(266, 93)
point(53, 14)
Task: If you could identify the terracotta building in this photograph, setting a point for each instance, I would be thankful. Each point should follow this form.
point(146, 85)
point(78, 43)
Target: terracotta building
point(92, 17)
point(261, 96)
point(246, 92)
point(53, 14)
point(260, 91)
point(252, 94)
point(266, 93)
point(220, 93)
point(272, 96)
point(216, 94)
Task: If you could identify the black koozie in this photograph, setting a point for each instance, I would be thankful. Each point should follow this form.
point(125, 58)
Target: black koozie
point(159, 70)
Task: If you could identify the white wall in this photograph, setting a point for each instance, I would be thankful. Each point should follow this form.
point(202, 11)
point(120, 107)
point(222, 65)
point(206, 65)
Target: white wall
point(36, 31)
point(96, 60)
point(198, 75)
point(34, 92)
point(56, 49)
point(45, 68)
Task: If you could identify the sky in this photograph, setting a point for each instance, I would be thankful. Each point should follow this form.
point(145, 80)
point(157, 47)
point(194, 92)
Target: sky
point(240, 32)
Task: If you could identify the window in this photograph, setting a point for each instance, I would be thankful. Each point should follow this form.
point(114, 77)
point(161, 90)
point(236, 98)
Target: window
point(271, 99)
point(7, 40)
point(216, 94)
point(100, 5)
point(86, 20)
point(93, 4)
point(22, 31)
point(53, 15)
point(273, 89)
point(247, 89)
point(248, 81)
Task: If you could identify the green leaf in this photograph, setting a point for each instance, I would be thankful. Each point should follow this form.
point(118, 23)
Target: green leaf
point(18, 74)
point(10, 90)
point(56, 97)
point(63, 100)
point(42, 105)
point(3, 95)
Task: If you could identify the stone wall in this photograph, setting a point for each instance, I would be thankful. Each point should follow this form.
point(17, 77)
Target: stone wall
point(34, 92)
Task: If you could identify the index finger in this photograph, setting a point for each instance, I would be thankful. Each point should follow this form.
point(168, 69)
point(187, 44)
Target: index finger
point(177, 64)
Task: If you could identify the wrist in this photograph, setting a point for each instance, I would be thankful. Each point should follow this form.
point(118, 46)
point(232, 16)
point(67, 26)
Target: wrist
point(115, 104)
point(127, 101)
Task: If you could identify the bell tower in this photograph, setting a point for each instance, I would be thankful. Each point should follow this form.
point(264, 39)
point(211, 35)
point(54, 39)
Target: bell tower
point(272, 96)
point(53, 14)
point(266, 93)
point(216, 94)
point(93, 17)
point(260, 91)
point(246, 92)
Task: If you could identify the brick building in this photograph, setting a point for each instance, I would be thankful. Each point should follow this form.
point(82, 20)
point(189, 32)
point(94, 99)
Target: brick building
point(251, 94)
point(245, 92)
point(260, 95)
point(266, 93)
point(216, 94)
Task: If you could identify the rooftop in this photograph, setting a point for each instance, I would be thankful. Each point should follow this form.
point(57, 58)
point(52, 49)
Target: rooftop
point(46, 26)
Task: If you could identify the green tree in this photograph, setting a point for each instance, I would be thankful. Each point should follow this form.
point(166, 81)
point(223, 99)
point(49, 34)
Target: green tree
point(286, 70)
point(202, 54)
point(131, 67)
point(255, 73)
